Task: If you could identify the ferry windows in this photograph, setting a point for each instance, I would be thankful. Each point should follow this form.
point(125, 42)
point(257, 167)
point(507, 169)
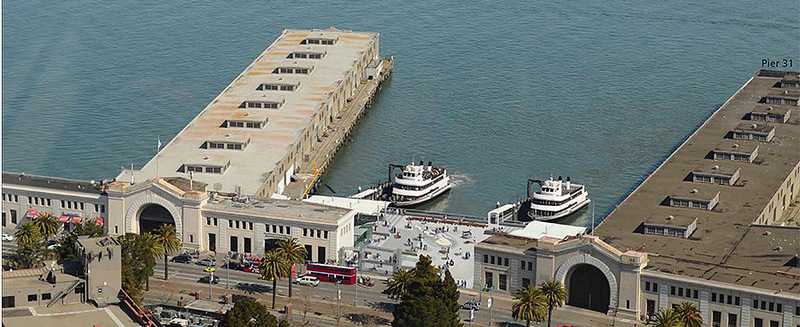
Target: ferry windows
point(244, 124)
point(319, 41)
point(305, 55)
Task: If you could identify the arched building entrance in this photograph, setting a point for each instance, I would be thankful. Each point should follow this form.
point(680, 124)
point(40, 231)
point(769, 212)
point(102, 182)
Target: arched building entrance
point(587, 287)
point(152, 216)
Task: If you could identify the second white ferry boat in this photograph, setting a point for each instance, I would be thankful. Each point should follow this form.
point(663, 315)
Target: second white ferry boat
point(418, 183)
point(556, 199)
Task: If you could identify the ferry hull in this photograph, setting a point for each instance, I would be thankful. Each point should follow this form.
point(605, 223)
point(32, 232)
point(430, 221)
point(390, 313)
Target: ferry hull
point(424, 198)
point(561, 214)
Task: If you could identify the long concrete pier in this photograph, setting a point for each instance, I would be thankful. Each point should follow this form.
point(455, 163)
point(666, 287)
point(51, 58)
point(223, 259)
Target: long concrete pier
point(284, 116)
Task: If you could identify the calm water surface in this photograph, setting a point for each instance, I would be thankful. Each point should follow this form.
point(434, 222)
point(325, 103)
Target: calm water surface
point(497, 91)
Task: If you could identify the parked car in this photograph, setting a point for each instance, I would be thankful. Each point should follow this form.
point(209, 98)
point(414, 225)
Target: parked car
point(205, 279)
point(471, 305)
point(53, 244)
point(182, 258)
point(207, 263)
point(234, 266)
point(308, 281)
point(8, 237)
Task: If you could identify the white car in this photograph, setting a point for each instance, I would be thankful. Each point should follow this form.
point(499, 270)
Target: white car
point(308, 281)
point(8, 237)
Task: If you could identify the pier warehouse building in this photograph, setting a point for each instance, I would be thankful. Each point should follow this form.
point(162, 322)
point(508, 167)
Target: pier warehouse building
point(717, 224)
point(220, 180)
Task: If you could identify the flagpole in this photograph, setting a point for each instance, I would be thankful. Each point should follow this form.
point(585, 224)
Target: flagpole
point(592, 218)
point(158, 147)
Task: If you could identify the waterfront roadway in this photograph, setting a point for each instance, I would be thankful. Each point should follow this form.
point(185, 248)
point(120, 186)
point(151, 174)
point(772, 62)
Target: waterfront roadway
point(321, 301)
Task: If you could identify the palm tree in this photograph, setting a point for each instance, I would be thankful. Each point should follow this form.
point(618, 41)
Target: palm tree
point(273, 266)
point(556, 295)
point(150, 245)
point(397, 286)
point(28, 233)
point(530, 304)
point(666, 318)
point(48, 224)
point(170, 243)
point(293, 253)
point(689, 315)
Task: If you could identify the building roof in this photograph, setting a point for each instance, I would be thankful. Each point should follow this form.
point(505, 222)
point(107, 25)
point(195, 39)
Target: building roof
point(57, 183)
point(726, 246)
point(538, 229)
point(277, 209)
point(97, 243)
point(249, 168)
point(753, 127)
point(773, 109)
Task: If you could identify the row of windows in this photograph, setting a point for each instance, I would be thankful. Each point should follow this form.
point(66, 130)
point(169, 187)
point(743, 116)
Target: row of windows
point(223, 145)
point(211, 221)
point(243, 124)
point(651, 287)
point(201, 169)
point(698, 178)
point(749, 136)
point(731, 156)
point(523, 264)
point(277, 229)
point(720, 298)
point(305, 55)
point(665, 231)
point(41, 201)
point(291, 70)
point(679, 291)
point(490, 259)
point(502, 281)
point(319, 233)
point(260, 104)
point(318, 41)
point(238, 223)
point(684, 203)
point(768, 306)
point(275, 87)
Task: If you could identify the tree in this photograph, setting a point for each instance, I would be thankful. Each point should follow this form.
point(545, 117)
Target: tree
point(665, 318)
point(168, 240)
point(152, 249)
point(448, 301)
point(530, 304)
point(689, 315)
point(293, 253)
point(273, 267)
point(47, 224)
point(397, 285)
point(68, 248)
point(428, 300)
point(30, 245)
point(249, 313)
point(555, 294)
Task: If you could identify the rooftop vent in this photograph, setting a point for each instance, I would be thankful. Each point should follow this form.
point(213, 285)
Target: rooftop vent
point(716, 167)
point(694, 190)
point(670, 217)
point(735, 145)
point(770, 108)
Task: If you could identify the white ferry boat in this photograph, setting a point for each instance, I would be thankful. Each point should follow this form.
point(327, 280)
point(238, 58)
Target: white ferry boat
point(556, 199)
point(418, 183)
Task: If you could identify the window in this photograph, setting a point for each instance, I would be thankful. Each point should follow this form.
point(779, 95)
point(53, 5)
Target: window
point(732, 320)
point(758, 322)
point(716, 319)
point(647, 286)
point(288, 229)
point(730, 299)
point(215, 222)
point(772, 306)
point(505, 262)
point(13, 216)
point(694, 295)
point(319, 233)
point(779, 307)
point(191, 238)
point(680, 291)
point(280, 229)
point(230, 223)
point(485, 258)
point(116, 229)
point(250, 224)
point(522, 265)
point(530, 266)
point(488, 279)
point(672, 292)
point(503, 283)
point(276, 87)
point(237, 224)
point(305, 233)
point(773, 323)
point(208, 221)
point(32, 297)
point(713, 297)
point(260, 105)
point(45, 296)
point(755, 304)
point(491, 259)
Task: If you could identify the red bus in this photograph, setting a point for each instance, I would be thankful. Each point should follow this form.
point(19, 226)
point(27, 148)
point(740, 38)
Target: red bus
point(331, 273)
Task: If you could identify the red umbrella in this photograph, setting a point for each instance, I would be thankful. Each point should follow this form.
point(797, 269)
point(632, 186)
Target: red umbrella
point(31, 213)
point(76, 220)
point(98, 221)
point(63, 218)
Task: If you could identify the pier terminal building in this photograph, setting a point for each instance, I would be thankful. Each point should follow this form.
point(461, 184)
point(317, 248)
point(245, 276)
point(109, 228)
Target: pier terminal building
point(220, 180)
point(715, 225)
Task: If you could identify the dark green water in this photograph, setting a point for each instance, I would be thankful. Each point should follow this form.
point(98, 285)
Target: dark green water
point(498, 91)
